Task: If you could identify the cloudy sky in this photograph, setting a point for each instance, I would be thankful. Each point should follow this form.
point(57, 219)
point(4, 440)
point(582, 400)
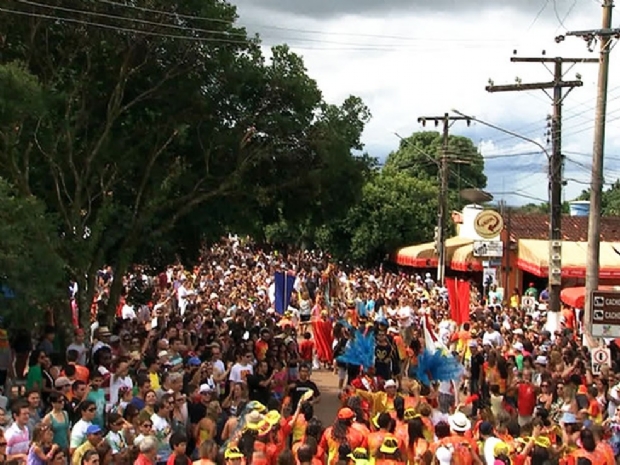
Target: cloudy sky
point(408, 58)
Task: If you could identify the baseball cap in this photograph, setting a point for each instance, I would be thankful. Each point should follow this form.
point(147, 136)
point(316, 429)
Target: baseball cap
point(193, 362)
point(93, 429)
point(390, 383)
point(346, 414)
point(62, 381)
point(205, 388)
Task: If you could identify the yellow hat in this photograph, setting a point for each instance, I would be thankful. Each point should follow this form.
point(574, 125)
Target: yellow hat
point(501, 448)
point(273, 417)
point(543, 441)
point(233, 453)
point(389, 446)
point(359, 455)
point(410, 414)
point(264, 428)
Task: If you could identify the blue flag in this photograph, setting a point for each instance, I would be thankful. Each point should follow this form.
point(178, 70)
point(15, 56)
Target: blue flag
point(284, 288)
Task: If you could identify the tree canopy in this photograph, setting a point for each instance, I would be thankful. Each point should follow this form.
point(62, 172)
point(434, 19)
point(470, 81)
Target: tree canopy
point(419, 155)
point(143, 133)
point(610, 202)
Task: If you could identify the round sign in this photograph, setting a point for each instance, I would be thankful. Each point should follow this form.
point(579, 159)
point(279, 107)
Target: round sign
point(488, 224)
point(600, 356)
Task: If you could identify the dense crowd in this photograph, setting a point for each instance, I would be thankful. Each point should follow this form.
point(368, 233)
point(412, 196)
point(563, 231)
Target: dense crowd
point(216, 367)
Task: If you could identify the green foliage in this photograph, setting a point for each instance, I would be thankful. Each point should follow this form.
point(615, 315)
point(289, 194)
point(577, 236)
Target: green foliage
point(610, 201)
point(144, 145)
point(419, 155)
point(395, 210)
point(30, 265)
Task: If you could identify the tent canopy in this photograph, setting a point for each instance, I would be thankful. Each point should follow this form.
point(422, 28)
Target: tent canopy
point(534, 258)
point(463, 259)
point(424, 256)
point(576, 296)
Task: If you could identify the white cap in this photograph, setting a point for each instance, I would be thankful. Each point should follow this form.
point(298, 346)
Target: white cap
point(163, 353)
point(518, 346)
point(204, 388)
point(518, 331)
point(390, 383)
point(540, 360)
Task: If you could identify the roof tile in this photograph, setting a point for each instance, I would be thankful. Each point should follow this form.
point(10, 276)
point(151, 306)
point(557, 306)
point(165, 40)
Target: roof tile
point(574, 228)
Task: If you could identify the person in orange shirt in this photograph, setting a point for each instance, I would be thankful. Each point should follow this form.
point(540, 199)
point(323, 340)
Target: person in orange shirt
point(339, 433)
point(312, 436)
point(81, 373)
point(262, 345)
point(390, 452)
point(382, 422)
point(603, 447)
point(587, 450)
point(418, 448)
point(306, 455)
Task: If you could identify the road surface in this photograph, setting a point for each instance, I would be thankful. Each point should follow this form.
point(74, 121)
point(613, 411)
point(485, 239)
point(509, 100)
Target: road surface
point(327, 382)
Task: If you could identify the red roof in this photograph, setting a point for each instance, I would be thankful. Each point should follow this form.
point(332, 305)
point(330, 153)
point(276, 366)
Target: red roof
point(574, 228)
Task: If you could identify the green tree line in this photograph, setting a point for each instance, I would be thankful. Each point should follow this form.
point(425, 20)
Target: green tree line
point(134, 135)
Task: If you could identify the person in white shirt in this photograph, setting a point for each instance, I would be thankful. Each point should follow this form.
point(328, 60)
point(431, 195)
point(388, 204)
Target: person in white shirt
point(240, 371)
point(88, 409)
point(119, 379)
point(79, 346)
point(17, 436)
point(492, 337)
point(489, 442)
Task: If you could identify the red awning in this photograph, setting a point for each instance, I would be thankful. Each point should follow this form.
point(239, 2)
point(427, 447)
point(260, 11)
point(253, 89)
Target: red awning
point(576, 296)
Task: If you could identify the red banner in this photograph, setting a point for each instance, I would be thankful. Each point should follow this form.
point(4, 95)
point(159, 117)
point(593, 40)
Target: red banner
point(458, 293)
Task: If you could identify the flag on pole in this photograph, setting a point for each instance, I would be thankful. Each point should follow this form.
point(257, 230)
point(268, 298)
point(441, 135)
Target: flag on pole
point(284, 284)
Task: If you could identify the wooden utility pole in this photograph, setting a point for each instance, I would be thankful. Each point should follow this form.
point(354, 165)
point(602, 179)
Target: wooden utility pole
point(447, 122)
point(556, 160)
point(605, 36)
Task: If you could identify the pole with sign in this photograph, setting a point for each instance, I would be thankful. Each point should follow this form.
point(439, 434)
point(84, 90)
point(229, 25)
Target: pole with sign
point(604, 314)
point(600, 357)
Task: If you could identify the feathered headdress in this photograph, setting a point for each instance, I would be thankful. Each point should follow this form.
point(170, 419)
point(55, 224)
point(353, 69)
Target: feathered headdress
point(436, 363)
point(360, 350)
point(436, 366)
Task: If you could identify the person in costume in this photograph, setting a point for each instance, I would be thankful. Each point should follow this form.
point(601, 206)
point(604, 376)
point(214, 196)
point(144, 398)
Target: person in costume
point(340, 433)
point(381, 401)
point(385, 428)
point(390, 453)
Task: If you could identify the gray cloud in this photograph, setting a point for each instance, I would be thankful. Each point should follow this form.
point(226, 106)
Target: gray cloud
point(323, 9)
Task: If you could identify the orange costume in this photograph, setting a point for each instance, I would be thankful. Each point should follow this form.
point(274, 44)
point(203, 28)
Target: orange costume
point(355, 439)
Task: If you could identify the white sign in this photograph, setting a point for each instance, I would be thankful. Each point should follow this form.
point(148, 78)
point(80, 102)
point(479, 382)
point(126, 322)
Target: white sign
point(528, 302)
point(600, 358)
point(491, 249)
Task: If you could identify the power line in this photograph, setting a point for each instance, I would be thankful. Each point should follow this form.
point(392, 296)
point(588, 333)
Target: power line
point(304, 31)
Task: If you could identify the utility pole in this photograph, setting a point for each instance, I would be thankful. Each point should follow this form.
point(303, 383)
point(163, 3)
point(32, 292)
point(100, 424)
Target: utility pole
point(605, 36)
point(556, 159)
point(447, 122)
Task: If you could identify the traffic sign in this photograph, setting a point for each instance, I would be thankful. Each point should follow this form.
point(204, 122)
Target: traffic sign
point(600, 357)
point(528, 302)
point(605, 314)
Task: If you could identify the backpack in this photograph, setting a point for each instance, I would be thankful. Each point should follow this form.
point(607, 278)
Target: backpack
point(461, 454)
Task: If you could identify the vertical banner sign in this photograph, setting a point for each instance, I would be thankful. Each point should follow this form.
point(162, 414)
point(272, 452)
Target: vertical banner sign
point(284, 288)
point(600, 358)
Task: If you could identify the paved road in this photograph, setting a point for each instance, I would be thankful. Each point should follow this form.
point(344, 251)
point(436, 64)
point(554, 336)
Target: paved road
point(327, 382)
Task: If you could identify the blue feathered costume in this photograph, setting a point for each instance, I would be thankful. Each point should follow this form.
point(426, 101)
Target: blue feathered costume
point(433, 365)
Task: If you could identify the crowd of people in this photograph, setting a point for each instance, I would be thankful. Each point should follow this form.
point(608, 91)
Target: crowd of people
point(214, 369)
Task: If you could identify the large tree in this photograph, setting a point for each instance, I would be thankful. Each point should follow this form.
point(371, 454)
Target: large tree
point(154, 131)
point(419, 155)
point(395, 210)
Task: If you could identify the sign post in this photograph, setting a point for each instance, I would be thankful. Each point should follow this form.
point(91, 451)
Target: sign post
point(600, 357)
point(605, 314)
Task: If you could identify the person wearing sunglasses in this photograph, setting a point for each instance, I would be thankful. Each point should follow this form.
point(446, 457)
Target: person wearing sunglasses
point(88, 410)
